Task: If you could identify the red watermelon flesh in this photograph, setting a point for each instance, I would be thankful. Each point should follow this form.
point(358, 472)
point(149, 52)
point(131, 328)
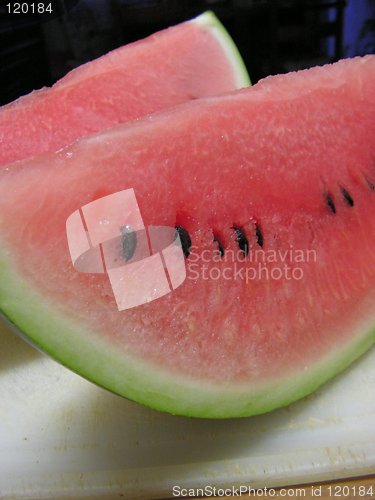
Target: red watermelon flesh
point(289, 165)
point(194, 59)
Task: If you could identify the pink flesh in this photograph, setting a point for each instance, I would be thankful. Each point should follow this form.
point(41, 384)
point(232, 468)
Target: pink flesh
point(266, 154)
point(173, 66)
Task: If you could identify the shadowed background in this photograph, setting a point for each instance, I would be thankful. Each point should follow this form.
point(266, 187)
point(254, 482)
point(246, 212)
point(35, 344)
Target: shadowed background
point(274, 36)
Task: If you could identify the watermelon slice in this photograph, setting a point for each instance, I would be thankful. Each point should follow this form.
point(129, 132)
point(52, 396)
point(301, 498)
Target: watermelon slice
point(272, 192)
point(194, 59)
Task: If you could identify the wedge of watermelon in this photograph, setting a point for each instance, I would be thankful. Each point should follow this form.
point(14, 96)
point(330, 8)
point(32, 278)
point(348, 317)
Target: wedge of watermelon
point(272, 192)
point(194, 59)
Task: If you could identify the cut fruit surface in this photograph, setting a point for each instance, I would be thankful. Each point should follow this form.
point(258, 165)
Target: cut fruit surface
point(191, 60)
point(273, 187)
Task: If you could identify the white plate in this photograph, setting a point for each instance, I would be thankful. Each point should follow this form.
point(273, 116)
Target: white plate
point(63, 437)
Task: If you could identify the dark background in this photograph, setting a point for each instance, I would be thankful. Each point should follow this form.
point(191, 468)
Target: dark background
point(273, 36)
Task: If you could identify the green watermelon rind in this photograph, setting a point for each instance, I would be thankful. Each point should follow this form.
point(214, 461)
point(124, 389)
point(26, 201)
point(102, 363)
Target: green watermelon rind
point(109, 366)
point(212, 23)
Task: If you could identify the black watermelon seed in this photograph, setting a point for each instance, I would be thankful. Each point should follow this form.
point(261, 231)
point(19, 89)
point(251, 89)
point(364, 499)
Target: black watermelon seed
point(259, 235)
point(349, 200)
point(241, 239)
point(330, 203)
point(219, 245)
point(185, 240)
point(129, 242)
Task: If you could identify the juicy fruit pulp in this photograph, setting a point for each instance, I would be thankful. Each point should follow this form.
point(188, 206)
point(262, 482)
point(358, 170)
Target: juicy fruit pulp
point(191, 60)
point(270, 169)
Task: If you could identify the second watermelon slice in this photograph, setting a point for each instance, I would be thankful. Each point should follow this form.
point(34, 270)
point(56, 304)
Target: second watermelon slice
point(191, 60)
